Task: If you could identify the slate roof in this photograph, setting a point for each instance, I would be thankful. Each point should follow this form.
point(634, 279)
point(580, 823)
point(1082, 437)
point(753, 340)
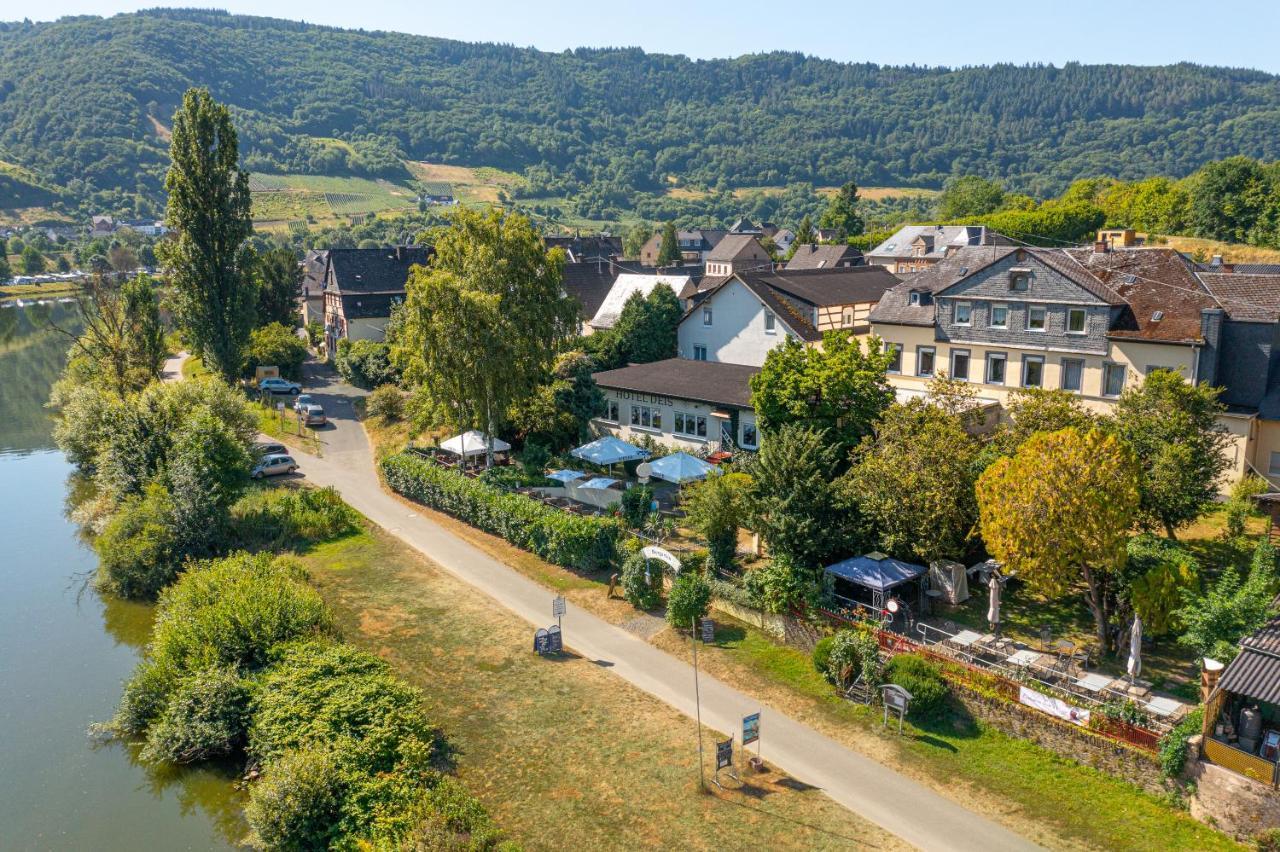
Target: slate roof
point(895, 306)
point(1247, 298)
point(579, 249)
point(589, 283)
point(1256, 268)
point(937, 239)
point(712, 382)
point(1255, 673)
point(369, 305)
point(733, 247)
point(315, 266)
point(824, 257)
point(848, 285)
point(375, 270)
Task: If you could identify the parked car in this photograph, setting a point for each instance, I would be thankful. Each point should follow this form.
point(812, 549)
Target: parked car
point(275, 384)
point(301, 401)
point(262, 450)
point(313, 415)
point(274, 465)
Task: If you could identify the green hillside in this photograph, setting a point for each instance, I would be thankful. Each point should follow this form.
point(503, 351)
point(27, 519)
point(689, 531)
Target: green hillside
point(84, 103)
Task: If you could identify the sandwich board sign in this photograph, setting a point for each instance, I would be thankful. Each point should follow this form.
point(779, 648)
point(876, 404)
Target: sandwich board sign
point(708, 630)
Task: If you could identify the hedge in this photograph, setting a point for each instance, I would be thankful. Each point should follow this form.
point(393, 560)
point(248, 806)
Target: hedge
point(571, 541)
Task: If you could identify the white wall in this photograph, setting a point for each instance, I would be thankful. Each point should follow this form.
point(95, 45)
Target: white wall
point(736, 334)
point(623, 429)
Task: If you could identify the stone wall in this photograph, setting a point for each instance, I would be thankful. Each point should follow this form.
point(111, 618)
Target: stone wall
point(1232, 803)
point(792, 631)
point(1070, 741)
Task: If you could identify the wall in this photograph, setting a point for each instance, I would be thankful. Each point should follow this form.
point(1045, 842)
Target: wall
point(1233, 803)
point(367, 328)
point(832, 316)
point(668, 407)
point(736, 334)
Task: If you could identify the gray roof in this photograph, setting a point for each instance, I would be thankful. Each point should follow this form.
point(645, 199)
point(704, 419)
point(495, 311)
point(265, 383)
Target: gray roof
point(374, 270)
point(895, 306)
point(738, 247)
point(1255, 673)
point(848, 285)
point(937, 239)
point(589, 283)
point(824, 256)
point(1245, 297)
point(712, 382)
point(876, 571)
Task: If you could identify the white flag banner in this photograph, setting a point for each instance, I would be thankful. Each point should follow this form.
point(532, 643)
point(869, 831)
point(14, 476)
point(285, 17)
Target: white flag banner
point(1053, 706)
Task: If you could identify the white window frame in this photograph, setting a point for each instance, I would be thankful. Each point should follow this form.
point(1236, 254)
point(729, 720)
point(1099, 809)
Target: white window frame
point(646, 418)
point(689, 425)
point(1005, 307)
point(707, 317)
point(1062, 381)
point(699, 349)
point(770, 323)
point(611, 407)
point(1084, 321)
point(1027, 361)
point(933, 361)
point(742, 435)
point(955, 316)
point(1107, 367)
point(996, 356)
point(1044, 318)
point(968, 367)
point(896, 348)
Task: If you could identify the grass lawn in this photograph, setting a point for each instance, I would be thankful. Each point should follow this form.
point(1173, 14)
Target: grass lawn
point(286, 429)
point(323, 197)
point(51, 290)
point(564, 754)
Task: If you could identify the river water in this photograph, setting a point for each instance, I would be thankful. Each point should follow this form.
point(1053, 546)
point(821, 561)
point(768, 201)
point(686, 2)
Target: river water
point(64, 651)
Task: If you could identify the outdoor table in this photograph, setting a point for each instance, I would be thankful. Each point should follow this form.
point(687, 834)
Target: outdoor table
point(965, 638)
point(1164, 707)
point(1025, 657)
point(1094, 682)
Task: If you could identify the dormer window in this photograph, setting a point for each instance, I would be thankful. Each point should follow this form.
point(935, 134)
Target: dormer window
point(918, 297)
point(1019, 280)
point(915, 298)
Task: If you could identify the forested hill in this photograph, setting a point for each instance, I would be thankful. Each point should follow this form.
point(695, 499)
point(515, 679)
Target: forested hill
point(85, 102)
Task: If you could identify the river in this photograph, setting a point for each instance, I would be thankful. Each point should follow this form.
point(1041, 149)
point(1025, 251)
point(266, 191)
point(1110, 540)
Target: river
point(64, 651)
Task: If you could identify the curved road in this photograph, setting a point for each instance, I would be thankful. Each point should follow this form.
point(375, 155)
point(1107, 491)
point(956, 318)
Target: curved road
point(911, 811)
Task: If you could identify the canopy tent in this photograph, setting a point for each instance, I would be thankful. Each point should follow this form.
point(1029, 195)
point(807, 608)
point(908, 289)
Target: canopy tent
point(680, 467)
point(879, 574)
point(598, 482)
point(565, 475)
point(609, 450)
point(473, 443)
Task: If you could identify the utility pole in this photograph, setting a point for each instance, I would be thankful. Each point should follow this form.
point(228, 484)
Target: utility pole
point(697, 701)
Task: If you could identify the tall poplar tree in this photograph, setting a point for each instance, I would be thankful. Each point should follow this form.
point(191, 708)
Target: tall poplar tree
point(210, 267)
point(669, 251)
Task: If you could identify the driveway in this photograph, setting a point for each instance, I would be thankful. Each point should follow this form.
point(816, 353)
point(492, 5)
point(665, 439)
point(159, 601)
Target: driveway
point(896, 803)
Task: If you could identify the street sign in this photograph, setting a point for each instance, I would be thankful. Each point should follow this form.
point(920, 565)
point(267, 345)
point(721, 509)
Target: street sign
point(555, 640)
point(557, 606)
point(708, 630)
point(750, 728)
point(724, 754)
point(541, 641)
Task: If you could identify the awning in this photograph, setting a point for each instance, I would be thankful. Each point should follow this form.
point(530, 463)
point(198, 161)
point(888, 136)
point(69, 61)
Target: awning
point(1255, 673)
point(609, 450)
point(599, 482)
point(565, 475)
point(680, 467)
point(472, 444)
point(876, 571)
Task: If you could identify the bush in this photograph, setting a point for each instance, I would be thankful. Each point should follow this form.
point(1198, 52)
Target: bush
point(534, 460)
point(1159, 574)
point(275, 345)
point(137, 550)
point(688, 600)
point(277, 518)
point(1173, 745)
point(386, 403)
point(852, 655)
point(451, 818)
point(571, 541)
point(1267, 840)
point(297, 802)
point(821, 656)
point(365, 363)
point(636, 503)
point(315, 334)
point(1241, 505)
point(780, 587)
point(206, 717)
point(642, 581)
point(923, 680)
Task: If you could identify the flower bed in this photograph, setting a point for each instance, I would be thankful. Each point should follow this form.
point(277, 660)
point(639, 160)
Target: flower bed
point(571, 541)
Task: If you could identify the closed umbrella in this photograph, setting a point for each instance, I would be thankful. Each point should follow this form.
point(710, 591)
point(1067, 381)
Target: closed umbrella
point(993, 605)
point(1134, 666)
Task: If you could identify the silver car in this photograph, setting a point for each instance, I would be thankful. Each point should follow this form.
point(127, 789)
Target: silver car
point(313, 415)
point(274, 465)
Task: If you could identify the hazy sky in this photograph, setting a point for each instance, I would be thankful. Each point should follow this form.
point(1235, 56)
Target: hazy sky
point(924, 32)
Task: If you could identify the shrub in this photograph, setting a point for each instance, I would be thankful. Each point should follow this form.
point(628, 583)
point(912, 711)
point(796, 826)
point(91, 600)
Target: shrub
point(821, 656)
point(205, 717)
point(365, 363)
point(137, 550)
point(853, 654)
point(534, 460)
point(1214, 622)
point(1159, 574)
point(923, 680)
point(636, 502)
point(275, 345)
point(1267, 840)
point(780, 587)
point(297, 802)
point(277, 518)
point(642, 581)
point(688, 599)
point(451, 818)
point(386, 402)
point(572, 541)
point(315, 334)
point(1240, 505)
point(1173, 745)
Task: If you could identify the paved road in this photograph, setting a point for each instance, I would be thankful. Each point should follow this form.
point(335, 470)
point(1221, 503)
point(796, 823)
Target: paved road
point(896, 803)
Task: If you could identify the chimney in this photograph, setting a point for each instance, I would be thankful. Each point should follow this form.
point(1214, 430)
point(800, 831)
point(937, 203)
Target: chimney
point(1100, 247)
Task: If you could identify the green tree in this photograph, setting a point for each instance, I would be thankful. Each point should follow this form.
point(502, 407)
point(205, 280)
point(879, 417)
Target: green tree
point(1214, 622)
point(120, 346)
point(559, 412)
point(1058, 512)
point(1173, 429)
point(669, 250)
point(841, 386)
point(1157, 577)
point(206, 470)
point(646, 327)
point(688, 599)
point(792, 500)
point(6, 272)
point(279, 283)
point(485, 320)
point(715, 508)
point(914, 482)
point(1031, 411)
point(842, 214)
point(209, 264)
point(635, 238)
point(275, 345)
point(805, 235)
point(33, 262)
point(969, 195)
point(1228, 198)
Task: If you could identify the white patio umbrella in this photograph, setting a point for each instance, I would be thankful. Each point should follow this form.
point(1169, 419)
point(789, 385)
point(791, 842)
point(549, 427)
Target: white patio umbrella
point(993, 605)
point(473, 443)
point(1134, 666)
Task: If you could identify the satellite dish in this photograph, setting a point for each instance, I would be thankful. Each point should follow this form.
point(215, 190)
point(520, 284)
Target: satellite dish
point(643, 470)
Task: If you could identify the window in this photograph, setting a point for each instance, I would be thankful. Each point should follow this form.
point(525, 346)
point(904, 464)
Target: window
point(995, 368)
point(1112, 379)
point(749, 438)
point(1273, 467)
point(1035, 317)
point(610, 410)
point(706, 316)
point(646, 417)
point(895, 363)
point(1072, 374)
point(964, 313)
point(915, 298)
point(960, 364)
point(1032, 371)
point(1075, 320)
point(769, 322)
point(694, 425)
point(999, 316)
point(699, 353)
point(848, 318)
point(924, 360)
point(1019, 280)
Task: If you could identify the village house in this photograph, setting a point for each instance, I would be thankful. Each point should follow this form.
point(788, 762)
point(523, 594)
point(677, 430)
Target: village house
point(360, 288)
point(914, 248)
point(626, 285)
point(580, 249)
point(1093, 321)
point(588, 282)
point(694, 245)
point(824, 256)
point(782, 240)
point(737, 253)
point(101, 226)
point(315, 268)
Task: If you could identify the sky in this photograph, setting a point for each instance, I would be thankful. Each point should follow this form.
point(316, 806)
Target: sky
point(1238, 33)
